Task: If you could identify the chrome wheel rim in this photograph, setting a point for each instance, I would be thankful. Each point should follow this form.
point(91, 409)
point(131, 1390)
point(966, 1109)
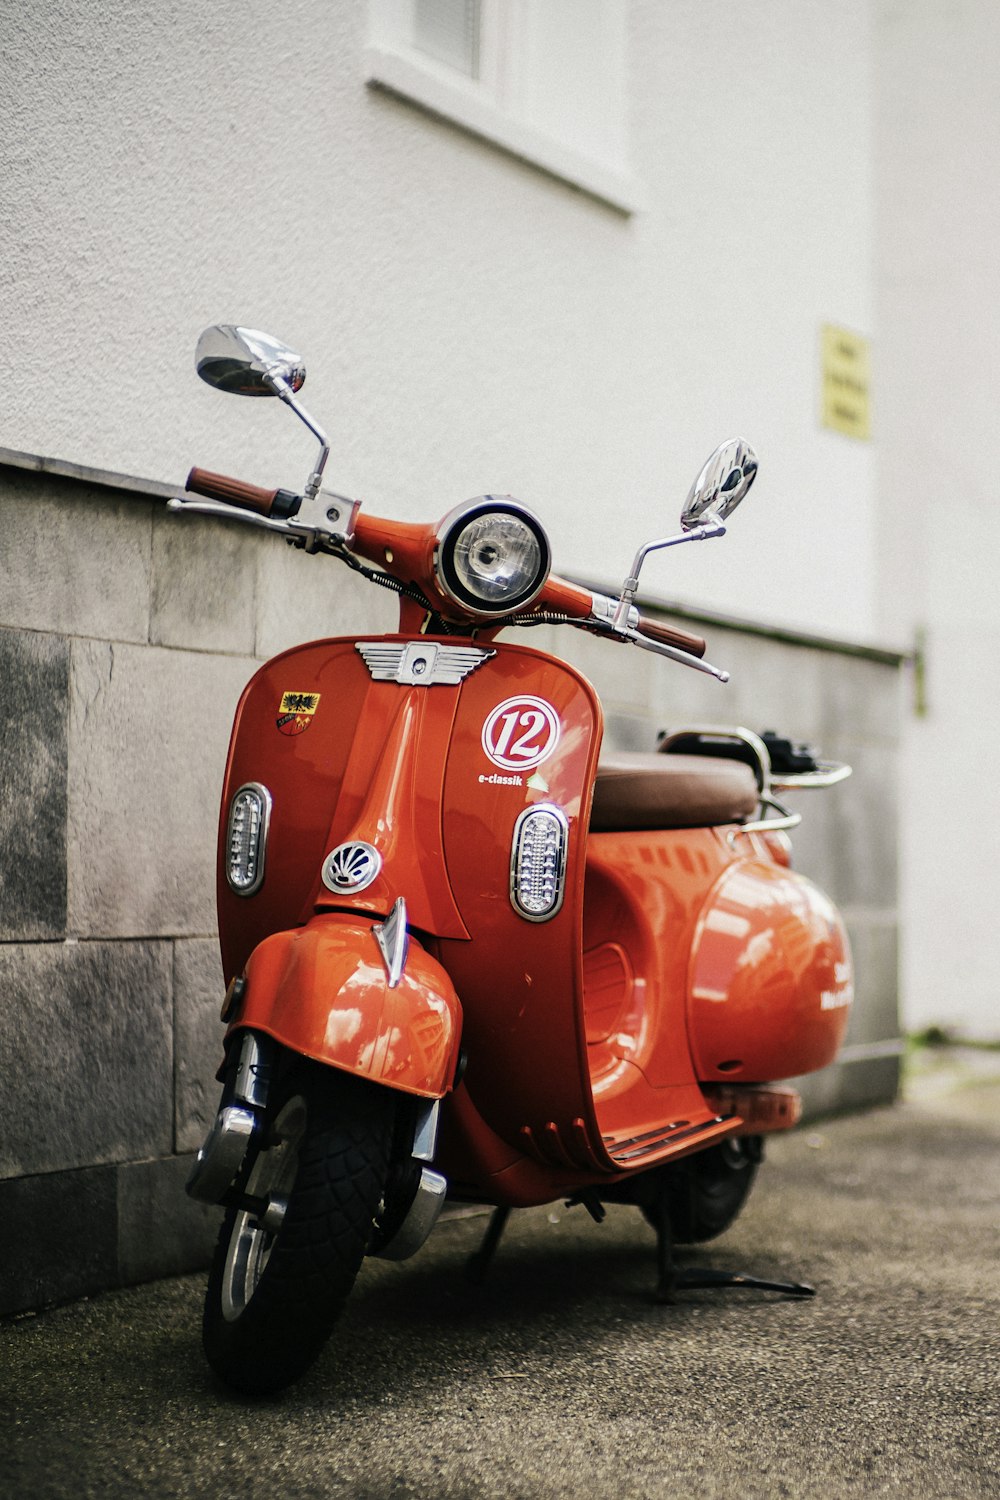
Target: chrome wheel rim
point(734, 1153)
point(271, 1178)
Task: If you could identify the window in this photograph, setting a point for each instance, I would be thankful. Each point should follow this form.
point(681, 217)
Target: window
point(544, 79)
point(450, 31)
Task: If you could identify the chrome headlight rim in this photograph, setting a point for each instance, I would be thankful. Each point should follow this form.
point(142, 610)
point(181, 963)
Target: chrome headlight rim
point(451, 529)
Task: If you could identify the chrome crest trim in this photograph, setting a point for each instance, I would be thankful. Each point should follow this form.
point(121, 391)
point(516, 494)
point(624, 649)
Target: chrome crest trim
point(351, 867)
point(426, 1132)
point(421, 663)
point(393, 941)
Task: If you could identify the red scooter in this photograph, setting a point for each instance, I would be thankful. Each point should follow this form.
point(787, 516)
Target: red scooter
point(467, 953)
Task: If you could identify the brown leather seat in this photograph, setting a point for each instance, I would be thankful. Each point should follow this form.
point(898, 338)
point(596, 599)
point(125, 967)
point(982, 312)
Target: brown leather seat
point(636, 790)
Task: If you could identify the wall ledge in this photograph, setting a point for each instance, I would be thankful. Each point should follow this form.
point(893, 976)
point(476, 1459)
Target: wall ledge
point(63, 468)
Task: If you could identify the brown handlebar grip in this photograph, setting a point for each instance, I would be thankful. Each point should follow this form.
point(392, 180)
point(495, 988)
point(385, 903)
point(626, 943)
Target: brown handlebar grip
point(694, 645)
point(231, 491)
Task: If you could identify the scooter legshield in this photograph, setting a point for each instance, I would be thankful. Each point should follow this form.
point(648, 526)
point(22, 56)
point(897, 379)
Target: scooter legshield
point(322, 990)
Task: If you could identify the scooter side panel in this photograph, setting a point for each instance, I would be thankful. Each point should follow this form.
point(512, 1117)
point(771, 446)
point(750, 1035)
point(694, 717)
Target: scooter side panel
point(322, 990)
point(300, 758)
point(645, 891)
point(343, 757)
point(520, 980)
point(771, 980)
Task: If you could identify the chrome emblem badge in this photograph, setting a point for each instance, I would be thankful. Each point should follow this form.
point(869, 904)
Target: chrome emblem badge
point(421, 663)
point(351, 867)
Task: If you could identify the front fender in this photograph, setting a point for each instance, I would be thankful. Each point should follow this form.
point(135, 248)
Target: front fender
point(322, 990)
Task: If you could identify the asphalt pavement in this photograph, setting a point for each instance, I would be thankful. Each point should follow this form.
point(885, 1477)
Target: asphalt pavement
point(561, 1377)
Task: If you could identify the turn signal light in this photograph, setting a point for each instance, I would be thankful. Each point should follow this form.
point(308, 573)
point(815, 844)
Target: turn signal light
point(538, 862)
point(246, 838)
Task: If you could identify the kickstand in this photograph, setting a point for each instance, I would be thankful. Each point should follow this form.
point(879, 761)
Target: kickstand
point(671, 1279)
point(479, 1263)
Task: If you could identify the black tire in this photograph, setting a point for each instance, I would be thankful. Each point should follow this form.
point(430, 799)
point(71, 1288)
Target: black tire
point(706, 1192)
point(274, 1294)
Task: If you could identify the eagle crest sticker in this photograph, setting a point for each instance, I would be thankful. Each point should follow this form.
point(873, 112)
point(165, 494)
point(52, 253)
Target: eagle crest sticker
point(295, 712)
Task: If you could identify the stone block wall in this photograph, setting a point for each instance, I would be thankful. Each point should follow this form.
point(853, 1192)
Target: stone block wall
point(126, 636)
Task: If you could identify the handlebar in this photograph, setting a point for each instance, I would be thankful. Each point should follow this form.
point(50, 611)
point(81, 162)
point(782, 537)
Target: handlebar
point(276, 504)
point(572, 599)
point(558, 594)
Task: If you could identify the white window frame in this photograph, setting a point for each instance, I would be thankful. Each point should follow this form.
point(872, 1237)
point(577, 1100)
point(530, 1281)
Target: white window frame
point(489, 106)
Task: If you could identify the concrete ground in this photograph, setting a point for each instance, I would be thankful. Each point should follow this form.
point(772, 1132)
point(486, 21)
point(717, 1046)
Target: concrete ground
point(561, 1377)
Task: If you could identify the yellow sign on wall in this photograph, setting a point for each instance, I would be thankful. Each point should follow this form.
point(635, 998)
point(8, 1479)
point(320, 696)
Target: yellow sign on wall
point(846, 382)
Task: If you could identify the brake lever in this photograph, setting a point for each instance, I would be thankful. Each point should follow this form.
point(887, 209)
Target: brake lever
point(601, 623)
point(229, 513)
point(684, 658)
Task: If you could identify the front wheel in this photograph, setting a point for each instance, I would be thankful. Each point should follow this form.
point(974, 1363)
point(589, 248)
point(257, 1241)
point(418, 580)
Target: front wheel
point(288, 1256)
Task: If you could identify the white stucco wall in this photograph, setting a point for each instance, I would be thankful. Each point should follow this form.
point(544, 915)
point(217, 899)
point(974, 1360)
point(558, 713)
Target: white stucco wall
point(469, 322)
point(939, 554)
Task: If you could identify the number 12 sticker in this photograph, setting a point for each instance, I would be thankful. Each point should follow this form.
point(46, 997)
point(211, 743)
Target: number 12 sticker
point(520, 733)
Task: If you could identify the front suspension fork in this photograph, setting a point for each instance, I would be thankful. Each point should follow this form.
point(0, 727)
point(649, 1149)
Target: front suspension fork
point(239, 1119)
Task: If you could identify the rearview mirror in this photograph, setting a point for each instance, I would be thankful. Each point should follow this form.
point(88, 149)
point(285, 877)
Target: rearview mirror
point(246, 362)
point(721, 485)
point(715, 494)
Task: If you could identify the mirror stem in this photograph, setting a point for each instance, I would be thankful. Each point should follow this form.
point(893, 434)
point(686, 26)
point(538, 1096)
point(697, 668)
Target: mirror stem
point(710, 527)
point(282, 389)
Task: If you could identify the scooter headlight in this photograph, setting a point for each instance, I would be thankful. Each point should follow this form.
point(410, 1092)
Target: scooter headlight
point(493, 556)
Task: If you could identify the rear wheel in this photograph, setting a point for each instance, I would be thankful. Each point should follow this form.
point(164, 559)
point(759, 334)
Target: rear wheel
point(288, 1256)
point(706, 1192)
